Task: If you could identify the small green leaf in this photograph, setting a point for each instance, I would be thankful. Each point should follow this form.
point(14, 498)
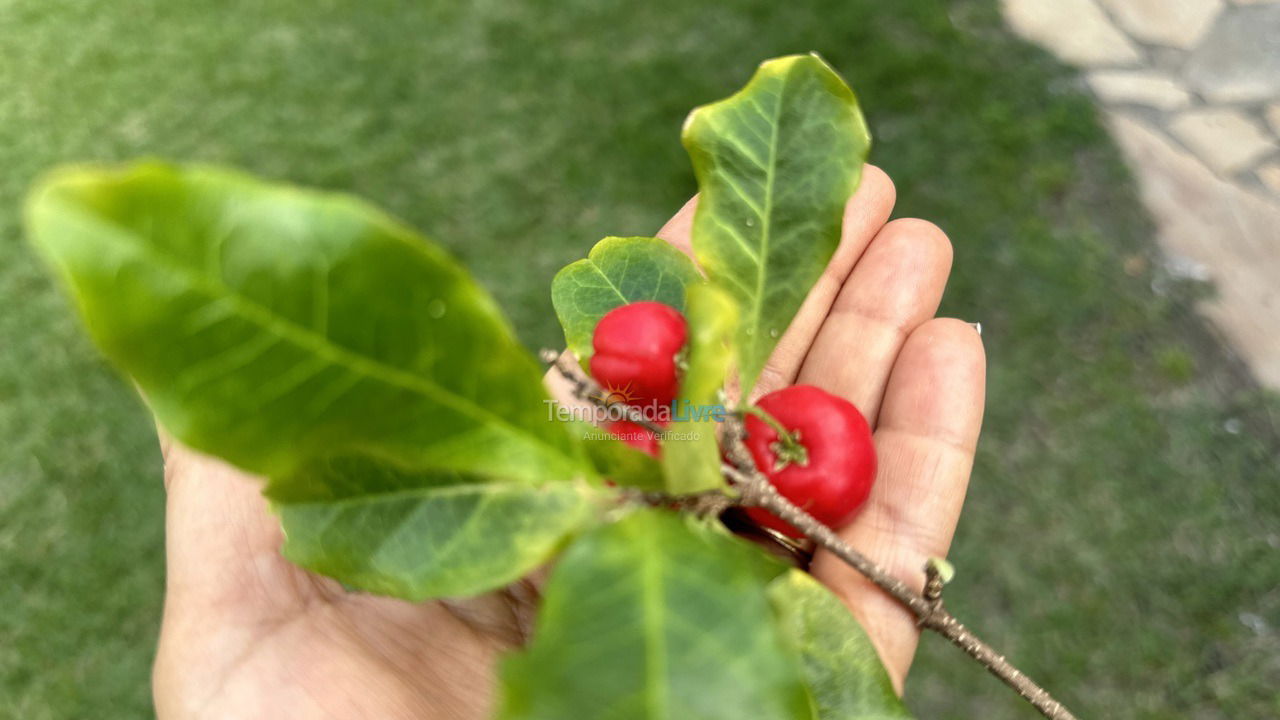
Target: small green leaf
point(270, 325)
point(655, 618)
point(776, 162)
point(945, 570)
point(840, 665)
point(422, 535)
point(690, 452)
point(617, 271)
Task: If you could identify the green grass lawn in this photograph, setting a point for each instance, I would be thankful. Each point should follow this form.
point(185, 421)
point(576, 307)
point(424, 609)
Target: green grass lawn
point(1121, 537)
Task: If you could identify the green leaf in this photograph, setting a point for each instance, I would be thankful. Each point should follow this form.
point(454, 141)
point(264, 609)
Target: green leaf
point(840, 665)
point(690, 452)
point(268, 325)
point(420, 535)
point(776, 162)
point(655, 617)
point(617, 271)
point(618, 461)
point(946, 571)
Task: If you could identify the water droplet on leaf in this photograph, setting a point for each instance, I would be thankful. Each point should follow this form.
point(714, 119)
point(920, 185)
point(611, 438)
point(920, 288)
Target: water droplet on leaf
point(436, 309)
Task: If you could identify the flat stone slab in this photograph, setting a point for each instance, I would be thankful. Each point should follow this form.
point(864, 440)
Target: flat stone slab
point(1075, 30)
point(1239, 59)
point(1192, 92)
point(1273, 117)
point(1269, 174)
point(1174, 23)
point(1207, 222)
point(1139, 87)
point(1225, 139)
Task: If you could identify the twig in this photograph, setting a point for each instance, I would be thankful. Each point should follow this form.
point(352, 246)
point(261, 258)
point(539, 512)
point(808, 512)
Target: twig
point(709, 503)
point(930, 613)
point(585, 388)
point(755, 489)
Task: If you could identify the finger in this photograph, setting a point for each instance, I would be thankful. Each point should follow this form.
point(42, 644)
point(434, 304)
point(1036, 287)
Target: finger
point(679, 229)
point(564, 391)
point(865, 213)
point(925, 441)
point(226, 585)
point(222, 542)
point(896, 286)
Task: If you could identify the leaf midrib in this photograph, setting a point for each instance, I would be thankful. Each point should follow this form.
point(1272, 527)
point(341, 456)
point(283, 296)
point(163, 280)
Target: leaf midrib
point(766, 220)
point(306, 338)
point(655, 644)
point(604, 276)
point(426, 493)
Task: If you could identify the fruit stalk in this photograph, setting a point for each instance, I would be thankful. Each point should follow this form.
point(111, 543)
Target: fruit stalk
point(755, 489)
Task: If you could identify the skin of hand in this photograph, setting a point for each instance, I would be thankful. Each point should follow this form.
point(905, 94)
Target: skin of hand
point(248, 635)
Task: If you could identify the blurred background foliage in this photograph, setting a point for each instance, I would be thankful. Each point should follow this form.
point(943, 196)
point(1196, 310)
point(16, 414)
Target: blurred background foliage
point(1121, 536)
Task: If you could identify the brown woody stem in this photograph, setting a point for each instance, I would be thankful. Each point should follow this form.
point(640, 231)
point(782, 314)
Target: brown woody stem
point(755, 489)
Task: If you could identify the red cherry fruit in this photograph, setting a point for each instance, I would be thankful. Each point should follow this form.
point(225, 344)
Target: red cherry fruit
point(638, 437)
point(635, 352)
point(832, 476)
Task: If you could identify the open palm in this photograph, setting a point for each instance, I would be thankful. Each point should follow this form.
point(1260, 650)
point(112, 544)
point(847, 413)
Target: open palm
point(248, 635)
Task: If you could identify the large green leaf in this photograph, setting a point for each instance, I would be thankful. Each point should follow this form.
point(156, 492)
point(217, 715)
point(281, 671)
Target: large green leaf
point(841, 667)
point(656, 617)
point(269, 325)
point(690, 451)
point(776, 162)
point(422, 535)
point(617, 271)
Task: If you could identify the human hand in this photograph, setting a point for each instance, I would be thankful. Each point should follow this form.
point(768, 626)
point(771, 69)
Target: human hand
point(248, 635)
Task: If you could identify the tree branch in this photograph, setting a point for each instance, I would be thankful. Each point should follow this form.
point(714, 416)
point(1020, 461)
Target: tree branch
point(755, 489)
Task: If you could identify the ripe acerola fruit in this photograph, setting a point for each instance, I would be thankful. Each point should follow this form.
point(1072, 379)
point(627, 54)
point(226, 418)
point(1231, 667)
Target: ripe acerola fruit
point(635, 352)
point(829, 467)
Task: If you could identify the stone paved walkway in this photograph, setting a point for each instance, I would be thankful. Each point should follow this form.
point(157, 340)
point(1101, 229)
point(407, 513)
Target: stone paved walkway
point(1191, 89)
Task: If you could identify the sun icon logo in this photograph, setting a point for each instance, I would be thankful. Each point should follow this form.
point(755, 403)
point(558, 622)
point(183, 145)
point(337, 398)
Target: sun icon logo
point(615, 395)
point(625, 395)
